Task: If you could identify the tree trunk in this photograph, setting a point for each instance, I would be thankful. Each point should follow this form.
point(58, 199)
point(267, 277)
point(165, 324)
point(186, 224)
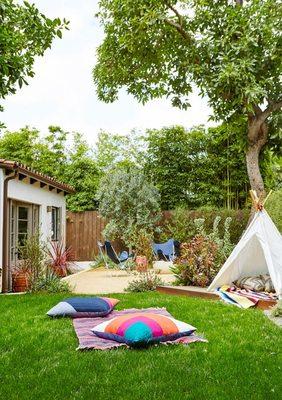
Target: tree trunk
point(257, 138)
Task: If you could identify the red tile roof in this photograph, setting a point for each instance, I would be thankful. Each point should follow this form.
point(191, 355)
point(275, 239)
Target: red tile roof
point(25, 170)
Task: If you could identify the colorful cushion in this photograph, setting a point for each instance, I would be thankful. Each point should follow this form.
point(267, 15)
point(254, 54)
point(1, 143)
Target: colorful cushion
point(142, 329)
point(80, 307)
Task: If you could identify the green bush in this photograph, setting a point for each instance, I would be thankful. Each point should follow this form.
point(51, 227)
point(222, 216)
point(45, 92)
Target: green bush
point(49, 282)
point(277, 310)
point(203, 255)
point(144, 282)
point(180, 225)
point(274, 207)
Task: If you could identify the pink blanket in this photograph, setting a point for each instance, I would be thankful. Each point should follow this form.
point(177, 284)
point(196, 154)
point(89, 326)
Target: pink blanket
point(87, 339)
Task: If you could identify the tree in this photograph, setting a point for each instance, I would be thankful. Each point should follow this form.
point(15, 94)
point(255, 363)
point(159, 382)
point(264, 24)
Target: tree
point(182, 163)
point(129, 202)
point(82, 173)
point(120, 151)
point(229, 49)
point(19, 146)
point(24, 34)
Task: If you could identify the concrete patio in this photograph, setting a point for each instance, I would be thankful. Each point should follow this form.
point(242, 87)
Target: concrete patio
point(99, 281)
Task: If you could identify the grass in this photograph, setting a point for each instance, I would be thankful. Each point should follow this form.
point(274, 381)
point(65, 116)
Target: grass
point(38, 358)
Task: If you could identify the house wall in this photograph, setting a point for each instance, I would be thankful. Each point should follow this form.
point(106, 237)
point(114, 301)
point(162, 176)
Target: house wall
point(1, 212)
point(25, 192)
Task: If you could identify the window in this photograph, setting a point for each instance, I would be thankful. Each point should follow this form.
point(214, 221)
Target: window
point(56, 223)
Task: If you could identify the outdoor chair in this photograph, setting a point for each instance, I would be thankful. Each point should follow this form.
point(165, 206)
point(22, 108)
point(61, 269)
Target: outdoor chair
point(107, 249)
point(167, 251)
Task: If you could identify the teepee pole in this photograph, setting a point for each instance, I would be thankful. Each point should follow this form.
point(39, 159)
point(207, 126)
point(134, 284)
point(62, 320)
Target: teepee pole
point(267, 197)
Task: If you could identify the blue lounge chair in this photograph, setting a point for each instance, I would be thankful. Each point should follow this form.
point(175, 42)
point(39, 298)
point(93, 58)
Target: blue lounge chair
point(165, 251)
point(107, 249)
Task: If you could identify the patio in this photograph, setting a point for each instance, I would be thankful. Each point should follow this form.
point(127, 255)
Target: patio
point(97, 281)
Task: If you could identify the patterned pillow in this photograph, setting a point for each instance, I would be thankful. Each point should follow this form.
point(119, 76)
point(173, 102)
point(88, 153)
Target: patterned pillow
point(142, 328)
point(80, 307)
point(255, 283)
point(268, 283)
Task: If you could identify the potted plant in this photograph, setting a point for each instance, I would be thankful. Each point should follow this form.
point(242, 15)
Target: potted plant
point(59, 258)
point(20, 277)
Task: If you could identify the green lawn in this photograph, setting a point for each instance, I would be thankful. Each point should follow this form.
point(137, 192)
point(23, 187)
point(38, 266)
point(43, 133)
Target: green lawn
point(38, 358)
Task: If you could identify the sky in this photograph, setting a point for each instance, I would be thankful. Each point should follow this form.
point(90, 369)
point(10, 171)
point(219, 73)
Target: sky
point(63, 93)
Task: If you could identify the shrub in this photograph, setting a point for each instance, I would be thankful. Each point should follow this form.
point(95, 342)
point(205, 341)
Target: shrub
point(59, 258)
point(197, 264)
point(33, 257)
point(180, 225)
point(129, 202)
point(274, 208)
point(103, 262)
point(277, 310)
point(202, 256)
point(49, 282)
point(144, 282)
point(142, 244)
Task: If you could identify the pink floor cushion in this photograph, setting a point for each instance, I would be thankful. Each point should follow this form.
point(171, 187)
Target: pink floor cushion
point(139, 329)
point(83, 307)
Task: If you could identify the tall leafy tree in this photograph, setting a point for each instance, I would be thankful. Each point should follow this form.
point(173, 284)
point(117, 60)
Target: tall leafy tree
point(230, 49)
point(197, 167)
point(120, 151)
point(24, 34)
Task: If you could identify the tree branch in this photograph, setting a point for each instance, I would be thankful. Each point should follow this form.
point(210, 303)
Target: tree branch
point(270, 109)
point(178, 26)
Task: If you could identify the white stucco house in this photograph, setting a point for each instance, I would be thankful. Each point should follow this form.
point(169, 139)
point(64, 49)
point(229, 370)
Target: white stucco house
point(29, 201)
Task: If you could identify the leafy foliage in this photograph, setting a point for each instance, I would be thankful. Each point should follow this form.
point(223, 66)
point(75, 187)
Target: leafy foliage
point(203, 255)
point(277, 310)
point(180, 224)
point(49, 282)
point(129, 202)
point(24, 34)
point(231, 51)
point(196, 266)
point(60, 258)
point(120, 151)
point(158, 48)
point(144, 282)
point(274, 208)
point(182, 165)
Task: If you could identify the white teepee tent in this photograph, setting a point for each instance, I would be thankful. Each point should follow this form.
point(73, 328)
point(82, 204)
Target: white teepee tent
point(259, 251)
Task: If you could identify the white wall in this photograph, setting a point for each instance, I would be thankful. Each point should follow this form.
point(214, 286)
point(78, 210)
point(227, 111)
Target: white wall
point(1, 212)
point(25, 192)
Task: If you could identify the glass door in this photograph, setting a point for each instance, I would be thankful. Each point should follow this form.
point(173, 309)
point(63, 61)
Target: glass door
point(24, 220)
point(24, 224)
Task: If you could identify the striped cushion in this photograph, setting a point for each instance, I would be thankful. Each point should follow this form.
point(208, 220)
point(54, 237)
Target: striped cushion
point(80, 307)
point(142, 328)
point(255, 283)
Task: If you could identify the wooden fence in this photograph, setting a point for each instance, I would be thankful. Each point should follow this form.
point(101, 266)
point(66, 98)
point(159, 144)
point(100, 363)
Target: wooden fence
point(84, 229)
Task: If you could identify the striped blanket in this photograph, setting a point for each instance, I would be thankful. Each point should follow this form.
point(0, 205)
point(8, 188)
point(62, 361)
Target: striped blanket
point(87, 339)
point(243, 298)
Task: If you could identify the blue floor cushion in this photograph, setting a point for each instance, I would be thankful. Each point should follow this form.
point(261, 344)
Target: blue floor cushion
point(80, 307)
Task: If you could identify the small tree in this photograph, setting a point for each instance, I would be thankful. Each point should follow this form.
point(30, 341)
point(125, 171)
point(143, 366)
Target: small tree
point(230, 49)
point(130, 203)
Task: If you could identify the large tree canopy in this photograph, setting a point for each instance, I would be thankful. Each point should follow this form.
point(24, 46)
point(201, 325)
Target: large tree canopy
point(24, 34)
point(231, 50)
